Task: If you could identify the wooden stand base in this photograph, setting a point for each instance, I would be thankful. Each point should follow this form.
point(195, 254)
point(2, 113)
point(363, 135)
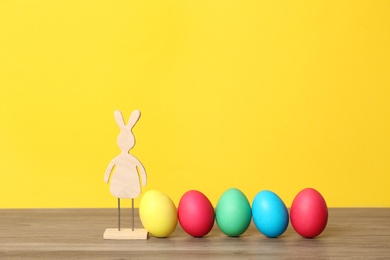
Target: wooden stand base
point(125, 233)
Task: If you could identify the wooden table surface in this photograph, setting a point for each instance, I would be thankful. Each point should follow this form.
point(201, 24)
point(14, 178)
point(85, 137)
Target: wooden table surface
point(78, 234)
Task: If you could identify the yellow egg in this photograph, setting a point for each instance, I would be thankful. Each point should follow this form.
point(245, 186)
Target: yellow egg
point(158, 213)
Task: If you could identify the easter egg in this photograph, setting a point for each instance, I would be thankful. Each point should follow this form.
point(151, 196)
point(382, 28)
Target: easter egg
point(269, 213)
point(195, 213)
point(309, 213)
point(233, 212)
point(158, 213)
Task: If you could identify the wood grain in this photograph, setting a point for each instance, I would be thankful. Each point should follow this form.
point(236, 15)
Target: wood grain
point(78, 234)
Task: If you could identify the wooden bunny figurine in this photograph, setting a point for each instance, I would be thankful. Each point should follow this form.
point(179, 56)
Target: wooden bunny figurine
point(125, 182)
point(125, 168)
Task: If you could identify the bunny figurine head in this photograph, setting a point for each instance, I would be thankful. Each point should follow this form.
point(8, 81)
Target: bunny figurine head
point(126, 139)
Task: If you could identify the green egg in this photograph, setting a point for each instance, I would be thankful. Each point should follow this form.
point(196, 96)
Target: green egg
point(233, 212)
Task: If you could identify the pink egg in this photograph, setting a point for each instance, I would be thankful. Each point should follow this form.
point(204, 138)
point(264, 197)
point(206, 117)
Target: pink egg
point(309, 213)
point(196, 213)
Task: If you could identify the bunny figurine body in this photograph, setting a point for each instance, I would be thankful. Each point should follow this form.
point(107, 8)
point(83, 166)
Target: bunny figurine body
point(126, 169)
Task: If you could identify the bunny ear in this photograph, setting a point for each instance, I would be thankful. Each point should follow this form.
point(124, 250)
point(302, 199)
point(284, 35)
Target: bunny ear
point(133, 119)
point(119, 118)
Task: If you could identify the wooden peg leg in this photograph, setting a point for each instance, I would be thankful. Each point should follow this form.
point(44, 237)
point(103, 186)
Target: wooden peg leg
point(119, 214)
point(132, 210)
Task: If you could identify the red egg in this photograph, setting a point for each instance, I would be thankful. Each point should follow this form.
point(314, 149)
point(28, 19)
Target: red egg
point(309, 213)
point(195, 213)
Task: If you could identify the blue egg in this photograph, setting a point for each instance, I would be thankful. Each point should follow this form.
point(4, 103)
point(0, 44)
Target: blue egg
point(269, 214)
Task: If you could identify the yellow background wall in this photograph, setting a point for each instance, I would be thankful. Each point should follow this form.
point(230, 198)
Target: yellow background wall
point(278, 95)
